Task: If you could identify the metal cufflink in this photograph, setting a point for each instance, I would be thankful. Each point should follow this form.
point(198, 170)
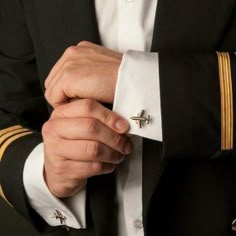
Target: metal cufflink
point(140, 118)
point(58, 216)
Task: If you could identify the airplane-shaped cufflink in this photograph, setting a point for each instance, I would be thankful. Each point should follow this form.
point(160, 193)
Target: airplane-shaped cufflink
point(58, 216)
point(140, 118)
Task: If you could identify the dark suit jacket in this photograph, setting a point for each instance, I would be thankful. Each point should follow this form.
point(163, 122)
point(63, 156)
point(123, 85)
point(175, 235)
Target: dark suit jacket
point(188, 182)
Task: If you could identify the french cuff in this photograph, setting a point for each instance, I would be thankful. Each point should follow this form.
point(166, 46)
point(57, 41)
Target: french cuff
point(56, 212)
point(137, 95)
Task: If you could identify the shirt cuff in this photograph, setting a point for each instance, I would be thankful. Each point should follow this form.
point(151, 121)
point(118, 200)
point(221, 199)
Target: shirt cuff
point(138, 89)
point(44, 202)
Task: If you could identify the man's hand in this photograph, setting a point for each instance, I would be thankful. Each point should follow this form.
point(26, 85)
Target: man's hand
point(82, 139)
point(84, 71)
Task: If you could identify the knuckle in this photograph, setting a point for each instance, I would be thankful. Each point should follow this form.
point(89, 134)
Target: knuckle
point(92, 127)
point(95, 149)
point(70, 51)
point(47, 128)
point(89, 106)
point(47, 95)
point(108, 117)
point(97, 167)
point(84, 43)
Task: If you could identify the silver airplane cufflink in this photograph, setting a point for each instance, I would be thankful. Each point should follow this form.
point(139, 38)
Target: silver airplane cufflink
point(140, 118)
point(58, 216)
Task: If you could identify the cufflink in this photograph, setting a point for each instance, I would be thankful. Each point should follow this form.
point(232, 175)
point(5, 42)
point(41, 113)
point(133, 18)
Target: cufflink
point(140, 118)
point(58, 216)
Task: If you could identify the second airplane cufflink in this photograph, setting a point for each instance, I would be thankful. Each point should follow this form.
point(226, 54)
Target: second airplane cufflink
point(140, 118)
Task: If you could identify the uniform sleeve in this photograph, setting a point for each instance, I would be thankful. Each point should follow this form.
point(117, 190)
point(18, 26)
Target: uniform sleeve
point(22, 107)
point(193, 93)
point(188, 96)
point(198, 97)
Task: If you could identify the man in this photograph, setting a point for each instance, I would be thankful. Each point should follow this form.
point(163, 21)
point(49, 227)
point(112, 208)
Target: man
point(162, 162)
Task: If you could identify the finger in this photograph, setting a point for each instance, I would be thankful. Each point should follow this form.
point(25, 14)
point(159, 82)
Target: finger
point(87, 129)
point(83, 170)
point(88, 151)
point(76, 171)
point(87, 108)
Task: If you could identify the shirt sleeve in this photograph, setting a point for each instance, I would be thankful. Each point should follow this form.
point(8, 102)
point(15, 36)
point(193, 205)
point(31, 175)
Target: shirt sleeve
point(138, 89)
point(44, 202)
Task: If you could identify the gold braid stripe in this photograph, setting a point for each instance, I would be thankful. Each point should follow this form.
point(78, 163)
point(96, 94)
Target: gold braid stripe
point(7, 136)
point(9, 129)
point(11, 140)
point(222, 101)
point(230, 101)
point(3, 196)
point(4, 137)
point(226, 101)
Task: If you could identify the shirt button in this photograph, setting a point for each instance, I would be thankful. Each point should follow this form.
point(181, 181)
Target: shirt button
point(138, 224)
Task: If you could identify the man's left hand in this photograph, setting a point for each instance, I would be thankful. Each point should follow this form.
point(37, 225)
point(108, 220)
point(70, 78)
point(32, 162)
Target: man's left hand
point(84, 71)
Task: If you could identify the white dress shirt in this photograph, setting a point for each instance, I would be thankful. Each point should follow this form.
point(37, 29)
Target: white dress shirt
point(125, 26)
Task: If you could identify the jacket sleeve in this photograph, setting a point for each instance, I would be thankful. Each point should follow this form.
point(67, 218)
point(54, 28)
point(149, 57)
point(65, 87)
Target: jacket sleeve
point(22, 106)
point(198, 99)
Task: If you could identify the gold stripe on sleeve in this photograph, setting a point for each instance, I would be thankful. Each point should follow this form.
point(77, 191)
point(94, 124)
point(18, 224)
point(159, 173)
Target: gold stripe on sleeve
point(226, 93)
point(4, 137)
point(9, 129)
point(3, 196)
point(231, 109)
point(7, 136)
point(11, 140)
point(222, 94)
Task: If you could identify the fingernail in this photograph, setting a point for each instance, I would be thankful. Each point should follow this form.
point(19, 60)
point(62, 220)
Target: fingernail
point(128, 148)
point(121, 125)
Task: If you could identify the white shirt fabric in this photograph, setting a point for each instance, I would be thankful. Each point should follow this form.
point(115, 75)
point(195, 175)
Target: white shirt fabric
point(125, 26)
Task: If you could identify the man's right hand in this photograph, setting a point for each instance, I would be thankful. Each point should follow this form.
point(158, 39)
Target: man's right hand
point(82, 139)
